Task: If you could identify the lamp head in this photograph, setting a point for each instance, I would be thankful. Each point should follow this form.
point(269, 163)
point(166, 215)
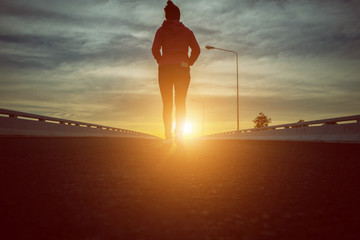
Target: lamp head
point(209, 47)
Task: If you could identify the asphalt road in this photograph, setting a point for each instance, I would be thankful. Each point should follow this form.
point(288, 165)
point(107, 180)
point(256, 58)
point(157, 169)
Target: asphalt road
point(109, 188)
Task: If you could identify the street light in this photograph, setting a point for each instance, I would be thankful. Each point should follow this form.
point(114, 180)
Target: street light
point(203, 113)
point(237, 79)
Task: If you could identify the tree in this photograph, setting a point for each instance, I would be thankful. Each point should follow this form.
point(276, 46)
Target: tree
point(261, 121)
point(300, 121)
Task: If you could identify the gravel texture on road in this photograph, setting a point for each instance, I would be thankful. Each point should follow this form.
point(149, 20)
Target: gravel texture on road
point(113, 188)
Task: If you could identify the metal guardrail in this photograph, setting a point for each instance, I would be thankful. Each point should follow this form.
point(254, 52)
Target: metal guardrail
point(16, 115)
point(316, 123)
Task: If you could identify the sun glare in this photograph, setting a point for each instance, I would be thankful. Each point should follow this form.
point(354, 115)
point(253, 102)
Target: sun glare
point(188, 128)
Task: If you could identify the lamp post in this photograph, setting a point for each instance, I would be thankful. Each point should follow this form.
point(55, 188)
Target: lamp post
point(237, 79)
point(203, 117)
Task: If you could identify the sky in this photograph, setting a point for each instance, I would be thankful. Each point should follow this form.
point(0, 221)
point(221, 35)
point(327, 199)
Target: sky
point(90, 60)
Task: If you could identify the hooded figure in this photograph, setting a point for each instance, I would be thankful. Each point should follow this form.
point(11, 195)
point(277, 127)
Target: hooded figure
point(174, 40)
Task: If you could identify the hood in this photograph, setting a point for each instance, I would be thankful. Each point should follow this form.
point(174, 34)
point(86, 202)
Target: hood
point(173, 26)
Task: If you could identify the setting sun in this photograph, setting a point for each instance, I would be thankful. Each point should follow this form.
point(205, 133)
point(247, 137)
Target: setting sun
point(188, 128)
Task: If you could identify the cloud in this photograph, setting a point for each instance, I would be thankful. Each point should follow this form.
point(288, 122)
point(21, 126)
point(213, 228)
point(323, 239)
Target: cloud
point(273, 28)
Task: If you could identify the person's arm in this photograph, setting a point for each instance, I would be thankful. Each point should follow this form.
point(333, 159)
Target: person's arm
point(195, 49)
point(157, 46)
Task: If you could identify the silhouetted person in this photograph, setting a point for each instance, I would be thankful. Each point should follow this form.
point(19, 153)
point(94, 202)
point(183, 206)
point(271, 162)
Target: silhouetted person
point(174, 40)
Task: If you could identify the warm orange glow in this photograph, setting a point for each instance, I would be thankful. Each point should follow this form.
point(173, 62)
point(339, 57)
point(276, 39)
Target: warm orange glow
point(188, 128)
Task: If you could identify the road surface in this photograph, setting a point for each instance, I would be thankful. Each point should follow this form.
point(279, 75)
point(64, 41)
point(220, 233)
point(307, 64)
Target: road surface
point(113, 188)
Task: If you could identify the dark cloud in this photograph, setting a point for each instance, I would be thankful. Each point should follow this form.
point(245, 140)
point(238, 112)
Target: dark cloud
point(299, 28)
point(48, 52)
point(65, 36)
point(16, 9)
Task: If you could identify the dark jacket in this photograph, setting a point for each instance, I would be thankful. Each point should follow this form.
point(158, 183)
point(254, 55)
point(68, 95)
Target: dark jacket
point(174, 39)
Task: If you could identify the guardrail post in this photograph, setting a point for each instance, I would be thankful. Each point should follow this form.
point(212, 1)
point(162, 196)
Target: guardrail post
point(41, 120)
point(12, 116)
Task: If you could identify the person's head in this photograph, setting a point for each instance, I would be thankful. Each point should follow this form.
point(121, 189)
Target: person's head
point(172, 12)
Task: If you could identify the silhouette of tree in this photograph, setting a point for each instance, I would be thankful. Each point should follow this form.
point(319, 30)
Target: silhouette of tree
point(261, 120)
point(300, 121)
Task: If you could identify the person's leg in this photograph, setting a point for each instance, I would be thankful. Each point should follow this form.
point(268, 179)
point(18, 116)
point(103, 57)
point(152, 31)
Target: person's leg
point(166, 89)
point(181, 83)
